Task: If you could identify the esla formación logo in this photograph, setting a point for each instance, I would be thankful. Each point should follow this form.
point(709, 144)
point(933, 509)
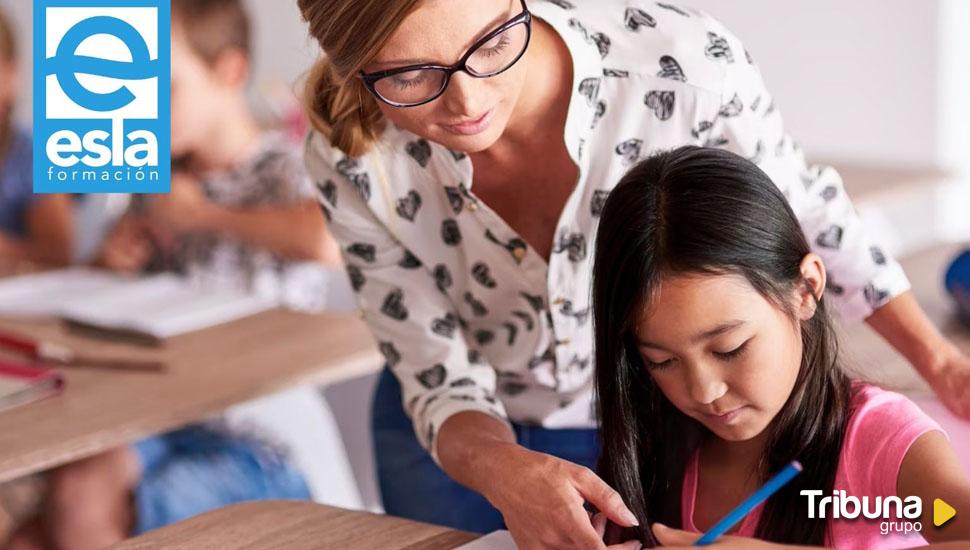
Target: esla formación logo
point(102, 86)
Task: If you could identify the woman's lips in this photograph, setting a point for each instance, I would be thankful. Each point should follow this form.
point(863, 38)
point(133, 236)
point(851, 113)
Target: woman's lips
point(727, 417)
point(472, 127)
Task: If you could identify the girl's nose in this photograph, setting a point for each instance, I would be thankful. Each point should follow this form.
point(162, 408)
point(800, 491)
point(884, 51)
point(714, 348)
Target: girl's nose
point(464, 95)
point(705, 384)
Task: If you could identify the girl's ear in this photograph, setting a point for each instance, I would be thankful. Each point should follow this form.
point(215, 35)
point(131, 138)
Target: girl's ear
point(814, 277)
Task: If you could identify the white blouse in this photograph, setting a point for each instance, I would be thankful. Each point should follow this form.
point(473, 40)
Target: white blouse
point(467, 314)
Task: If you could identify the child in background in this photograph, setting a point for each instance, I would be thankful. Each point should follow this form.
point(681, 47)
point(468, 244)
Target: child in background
point(33, 228)
point(717, 365)
point(240, 214)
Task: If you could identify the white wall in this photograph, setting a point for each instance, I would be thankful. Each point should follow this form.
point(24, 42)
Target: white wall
point(854, 79)
point(283, 53)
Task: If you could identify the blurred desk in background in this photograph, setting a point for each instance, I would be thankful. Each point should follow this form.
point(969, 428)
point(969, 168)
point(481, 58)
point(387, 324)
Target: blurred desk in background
point(286, 525)
point(207, 371)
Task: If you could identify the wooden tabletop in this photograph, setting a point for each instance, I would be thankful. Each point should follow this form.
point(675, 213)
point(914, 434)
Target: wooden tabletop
point(208, 371)
point(288, 525)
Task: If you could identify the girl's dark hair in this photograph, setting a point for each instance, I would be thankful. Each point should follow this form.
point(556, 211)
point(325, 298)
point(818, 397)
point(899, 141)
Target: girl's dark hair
point(706, 211)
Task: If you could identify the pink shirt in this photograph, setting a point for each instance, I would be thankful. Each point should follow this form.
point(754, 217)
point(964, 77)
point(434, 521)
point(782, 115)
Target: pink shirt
point(882, 426)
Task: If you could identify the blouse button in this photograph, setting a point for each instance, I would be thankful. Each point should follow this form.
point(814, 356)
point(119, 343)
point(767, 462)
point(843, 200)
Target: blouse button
point(472, 207)
point(559, 301)
point(565, 342)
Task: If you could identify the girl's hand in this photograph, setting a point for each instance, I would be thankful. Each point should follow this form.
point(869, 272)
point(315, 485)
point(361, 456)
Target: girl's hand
point(675, 538)
point(541, 498)
point(127, 248)
point(184, 209)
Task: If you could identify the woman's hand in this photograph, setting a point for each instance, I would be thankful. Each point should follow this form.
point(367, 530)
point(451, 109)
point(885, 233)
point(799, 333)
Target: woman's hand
point(951, 382)
point(904, 324)
point(541, 498)
point(599, 524)
point(675, 538)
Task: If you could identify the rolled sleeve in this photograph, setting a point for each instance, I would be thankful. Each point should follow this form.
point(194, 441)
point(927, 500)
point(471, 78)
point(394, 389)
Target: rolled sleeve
point(417, 328)
point(862, 275)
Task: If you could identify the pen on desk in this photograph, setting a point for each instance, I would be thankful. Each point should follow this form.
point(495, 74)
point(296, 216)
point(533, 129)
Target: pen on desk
point(734, 516)
point(63, 356)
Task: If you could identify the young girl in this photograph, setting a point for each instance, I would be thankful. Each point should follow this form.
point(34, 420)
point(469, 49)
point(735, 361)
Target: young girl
point(717, 365)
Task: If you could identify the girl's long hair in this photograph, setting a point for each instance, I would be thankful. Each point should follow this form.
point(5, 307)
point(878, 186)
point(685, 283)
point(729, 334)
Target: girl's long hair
point(706, 211)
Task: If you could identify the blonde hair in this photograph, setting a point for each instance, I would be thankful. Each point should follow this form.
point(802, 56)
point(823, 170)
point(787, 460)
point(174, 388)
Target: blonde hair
point(351, 33)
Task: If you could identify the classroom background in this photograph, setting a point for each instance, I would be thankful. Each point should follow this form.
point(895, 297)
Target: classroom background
point(876, 88)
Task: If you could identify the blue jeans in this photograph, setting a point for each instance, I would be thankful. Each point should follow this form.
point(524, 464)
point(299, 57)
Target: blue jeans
point(197, 469)
point(414, 487)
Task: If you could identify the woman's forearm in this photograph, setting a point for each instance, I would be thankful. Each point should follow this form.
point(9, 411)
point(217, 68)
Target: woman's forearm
point(904, 324)
point(467, 445)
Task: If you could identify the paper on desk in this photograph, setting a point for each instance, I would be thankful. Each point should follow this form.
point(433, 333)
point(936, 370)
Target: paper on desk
point(498, 540)
point(162, 306)
point(159, 306)
point(45, 294)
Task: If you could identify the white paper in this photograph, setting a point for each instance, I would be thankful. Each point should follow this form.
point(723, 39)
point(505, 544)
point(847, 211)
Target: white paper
point(160, 306)
point(45, 294)
point(498, 540)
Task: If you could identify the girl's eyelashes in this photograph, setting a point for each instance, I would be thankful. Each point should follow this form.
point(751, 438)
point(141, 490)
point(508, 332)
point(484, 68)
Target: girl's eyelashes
point(722, 355)
point(733, 354)
point(653, 365)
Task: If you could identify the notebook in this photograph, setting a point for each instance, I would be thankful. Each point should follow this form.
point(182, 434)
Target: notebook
point(21, 384)
point(150, 308)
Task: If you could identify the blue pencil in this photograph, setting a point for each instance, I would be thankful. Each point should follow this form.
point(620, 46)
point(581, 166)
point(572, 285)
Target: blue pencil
point(743, 509)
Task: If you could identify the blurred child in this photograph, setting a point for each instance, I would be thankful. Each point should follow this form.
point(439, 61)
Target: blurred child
point(717, 365)
point(240, 214)
point(34, 228)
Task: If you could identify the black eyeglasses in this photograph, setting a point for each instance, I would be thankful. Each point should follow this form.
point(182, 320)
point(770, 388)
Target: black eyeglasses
point(419, 84)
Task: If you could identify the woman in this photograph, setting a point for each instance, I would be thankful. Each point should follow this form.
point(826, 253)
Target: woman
point(465, 197)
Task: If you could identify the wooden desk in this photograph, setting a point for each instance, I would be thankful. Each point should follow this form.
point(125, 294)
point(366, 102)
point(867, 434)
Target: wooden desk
point(208, 371)
point(286, 525)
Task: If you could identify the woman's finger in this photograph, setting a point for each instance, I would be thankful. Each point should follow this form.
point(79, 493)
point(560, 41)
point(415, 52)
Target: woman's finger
point(599, 524)
point(604, 498)
point(582, 533)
